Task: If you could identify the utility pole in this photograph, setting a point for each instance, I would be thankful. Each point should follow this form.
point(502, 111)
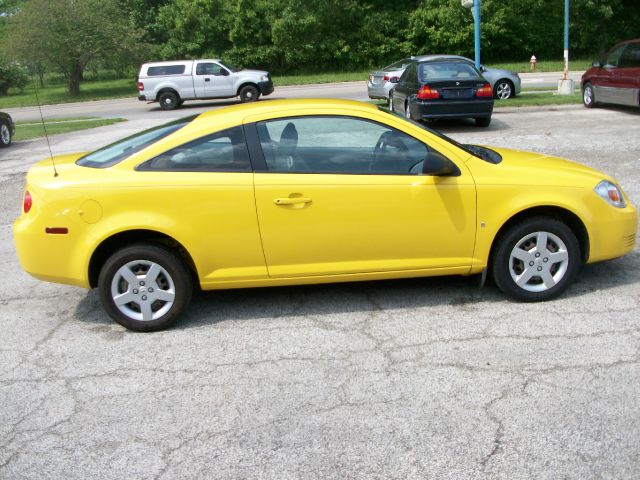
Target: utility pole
point(565, 85)
point(474, 5)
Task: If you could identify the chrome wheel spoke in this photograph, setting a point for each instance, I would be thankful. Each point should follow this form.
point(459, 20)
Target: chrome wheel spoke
point(145, 308)
point(527, 275)
point(559, 256)
point(126, 273)
point(124, 298)
point(547, 278)
point(541, 242)
point(153, 272)
point(521, 254)
point(164, 295)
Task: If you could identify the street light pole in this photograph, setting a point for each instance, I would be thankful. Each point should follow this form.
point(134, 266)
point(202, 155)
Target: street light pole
point(476, 28)
point(565, 85)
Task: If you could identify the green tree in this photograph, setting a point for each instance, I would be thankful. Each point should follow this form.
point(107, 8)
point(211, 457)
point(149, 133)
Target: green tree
point(68, 34)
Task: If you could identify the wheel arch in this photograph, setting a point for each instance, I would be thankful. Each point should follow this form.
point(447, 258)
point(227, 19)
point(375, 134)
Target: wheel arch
point(128, 237)
point(167, 89)
point(245, 84)
point(567, 217)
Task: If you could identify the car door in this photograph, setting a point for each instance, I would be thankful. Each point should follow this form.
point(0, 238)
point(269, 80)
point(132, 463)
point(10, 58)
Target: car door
point(206, 185)
point(342, 195)
point(212, 81)
point(404, 88)
point(626, 77)
point(606, 85)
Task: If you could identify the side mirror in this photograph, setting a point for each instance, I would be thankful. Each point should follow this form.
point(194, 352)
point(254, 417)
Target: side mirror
point(394, 79)
point(597, 64)
point(437, 165)
point(483, 68)
point(224, 72)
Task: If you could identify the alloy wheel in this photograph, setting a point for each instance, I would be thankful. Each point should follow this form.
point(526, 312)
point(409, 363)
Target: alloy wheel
point(538, 261)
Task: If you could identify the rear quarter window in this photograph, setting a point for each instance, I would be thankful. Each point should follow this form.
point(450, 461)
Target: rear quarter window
point(166, 70)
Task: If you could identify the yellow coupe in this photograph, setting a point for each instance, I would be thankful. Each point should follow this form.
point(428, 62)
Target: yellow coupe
point(309, 191)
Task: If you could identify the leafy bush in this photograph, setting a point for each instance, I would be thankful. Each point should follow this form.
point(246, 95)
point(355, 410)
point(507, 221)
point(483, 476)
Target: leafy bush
point(12, 75)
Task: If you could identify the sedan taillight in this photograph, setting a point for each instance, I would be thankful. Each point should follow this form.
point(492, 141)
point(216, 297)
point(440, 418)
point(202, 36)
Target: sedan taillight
point(485, 91)
point(140, 86)
point(428, 93)
point(27, 202)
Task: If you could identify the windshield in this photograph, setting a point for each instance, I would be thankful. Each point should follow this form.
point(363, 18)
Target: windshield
point(445, 70)
point(394, 67)
point(483, 153)
point(230, 67)
point(118, 151)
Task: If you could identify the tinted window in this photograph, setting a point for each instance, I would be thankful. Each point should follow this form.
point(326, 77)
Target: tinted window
point(338, 145)
point(445, 70)
point(409, 74)
point(166, 70)
point(630, 58)
point(223, 151)
point(118, 151)
point(614, 57)
point(208, 69)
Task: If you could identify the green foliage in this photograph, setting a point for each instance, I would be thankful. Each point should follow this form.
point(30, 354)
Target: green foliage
point(12, 75)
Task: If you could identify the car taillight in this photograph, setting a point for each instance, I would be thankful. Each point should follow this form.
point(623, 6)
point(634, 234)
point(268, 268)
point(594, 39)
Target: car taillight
point(428, 93)
point(386, 78)
point(485, 91)
point(27, 202)
point(140, 86)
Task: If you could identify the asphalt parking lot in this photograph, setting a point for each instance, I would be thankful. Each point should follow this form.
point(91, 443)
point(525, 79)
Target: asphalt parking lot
point(411, 379)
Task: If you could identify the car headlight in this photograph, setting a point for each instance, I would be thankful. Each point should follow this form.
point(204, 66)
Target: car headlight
point(611, 193)
point(264, 78)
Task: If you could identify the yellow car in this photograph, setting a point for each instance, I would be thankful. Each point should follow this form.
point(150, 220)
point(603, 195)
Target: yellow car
point(309, 191)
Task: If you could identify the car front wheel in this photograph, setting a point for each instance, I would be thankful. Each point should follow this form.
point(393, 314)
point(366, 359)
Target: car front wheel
point(5, 135)
point(145, 287)
point(249, 93)
point(588, 96)
point(536, 259)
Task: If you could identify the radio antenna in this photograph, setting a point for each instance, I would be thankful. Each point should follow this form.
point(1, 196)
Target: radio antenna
point(53, 162)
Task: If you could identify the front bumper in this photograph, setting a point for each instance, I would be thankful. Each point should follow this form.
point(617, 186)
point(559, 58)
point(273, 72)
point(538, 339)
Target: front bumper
point(451, 109)
point(613, 232)
point(266, 87)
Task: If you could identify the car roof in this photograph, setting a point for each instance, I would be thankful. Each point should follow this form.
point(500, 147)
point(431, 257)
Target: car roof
point(429, 58)
point(301, 104)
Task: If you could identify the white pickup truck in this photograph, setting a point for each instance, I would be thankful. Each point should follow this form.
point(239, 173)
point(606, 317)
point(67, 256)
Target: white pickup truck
point(171, 83)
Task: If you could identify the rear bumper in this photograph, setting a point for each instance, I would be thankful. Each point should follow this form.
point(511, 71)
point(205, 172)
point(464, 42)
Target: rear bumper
point(452, 109)
point(266, 88)
point(142, 98)
point(379, 91)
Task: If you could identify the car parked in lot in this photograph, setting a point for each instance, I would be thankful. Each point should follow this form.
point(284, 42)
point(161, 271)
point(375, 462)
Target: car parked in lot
point(171, 83)
point(7, 129)
point(505, 83)
point(442, 88)
point(295, 192)
point(614, 78)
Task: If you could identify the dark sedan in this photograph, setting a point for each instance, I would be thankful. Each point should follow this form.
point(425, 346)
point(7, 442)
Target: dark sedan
point(443, 88)
point(7, 129)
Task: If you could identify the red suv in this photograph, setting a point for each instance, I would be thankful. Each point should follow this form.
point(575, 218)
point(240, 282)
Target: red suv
point(615, 78)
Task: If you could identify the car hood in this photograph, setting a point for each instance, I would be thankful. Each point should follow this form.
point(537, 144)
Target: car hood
point(253, 72)
point(529, 168)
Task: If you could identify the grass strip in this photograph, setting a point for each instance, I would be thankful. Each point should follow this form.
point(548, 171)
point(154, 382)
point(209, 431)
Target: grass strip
point(30, 130)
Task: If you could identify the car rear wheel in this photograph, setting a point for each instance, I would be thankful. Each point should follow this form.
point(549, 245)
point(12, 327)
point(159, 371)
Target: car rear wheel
point(169, 100)
point(588, 96)
point(483, 122)
point(536, 259)
point(5, 135)
point(249, 93)
point(145, 287)
point(503, 89)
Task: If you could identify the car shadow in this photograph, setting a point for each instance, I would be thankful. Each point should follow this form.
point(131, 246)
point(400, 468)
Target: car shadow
point(213, 307)
point(465, 125)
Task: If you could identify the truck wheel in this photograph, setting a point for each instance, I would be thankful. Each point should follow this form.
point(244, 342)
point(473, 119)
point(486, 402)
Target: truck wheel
point(169, 100)
point(249, 93)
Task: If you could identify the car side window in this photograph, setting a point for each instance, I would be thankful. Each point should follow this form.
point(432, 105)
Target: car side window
point(347, 145)
point(208, 69)
point(630, 58)
point(614, 57)
point(224, 151)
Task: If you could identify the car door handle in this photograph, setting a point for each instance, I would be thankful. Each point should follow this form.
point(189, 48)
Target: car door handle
point(291, 200)
point(207, 79)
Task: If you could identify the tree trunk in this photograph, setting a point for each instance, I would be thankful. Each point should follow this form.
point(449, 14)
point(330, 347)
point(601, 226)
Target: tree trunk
point(74, 79)
point(40, 76)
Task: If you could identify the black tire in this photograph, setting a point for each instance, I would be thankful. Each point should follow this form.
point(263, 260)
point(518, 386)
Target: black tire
point(483, 122)
point(169, 100)
point(248, 93)
point(5, 135)
point(504, 89)
point(150, 295)
point(588, 96)
point(522, 240)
